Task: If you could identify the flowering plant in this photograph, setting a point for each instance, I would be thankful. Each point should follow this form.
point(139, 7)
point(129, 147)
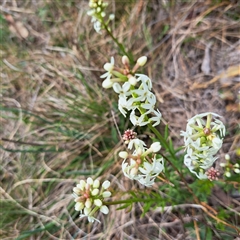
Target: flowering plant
point(154, 165)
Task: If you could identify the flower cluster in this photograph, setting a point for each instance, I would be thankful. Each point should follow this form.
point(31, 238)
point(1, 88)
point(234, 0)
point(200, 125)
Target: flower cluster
point(229, 167)
point(203, 139)
point(142, 164)
point(89, 197)
point(97, 12)
point(212, 174)
point(134, 92)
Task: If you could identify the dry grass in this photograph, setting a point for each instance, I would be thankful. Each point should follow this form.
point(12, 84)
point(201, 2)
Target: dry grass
point(57, 123)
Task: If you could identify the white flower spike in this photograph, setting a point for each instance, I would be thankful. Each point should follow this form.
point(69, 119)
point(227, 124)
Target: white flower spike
point(89, 197)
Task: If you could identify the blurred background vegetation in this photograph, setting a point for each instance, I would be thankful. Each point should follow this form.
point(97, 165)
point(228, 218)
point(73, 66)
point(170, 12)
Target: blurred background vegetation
point(58, 125)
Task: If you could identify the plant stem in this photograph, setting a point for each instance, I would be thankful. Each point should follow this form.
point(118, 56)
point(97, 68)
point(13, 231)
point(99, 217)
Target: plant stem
point(127, 201)
point(162, 140)
point(121, 47)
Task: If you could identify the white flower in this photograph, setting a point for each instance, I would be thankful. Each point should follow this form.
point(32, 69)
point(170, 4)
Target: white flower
point(156, 118)
point(123, 104)
point(150, 103)
point(203, 139)
point(97, 26)
point(109, 68)
point(217, 143)
point(142, 92)
point(138, 121)
point(130, 170)
point(149, 171)
point(91, 219)
point(122, 90)
point(89, 197)
point(137, 143)
point(144, 79)
point(142, 165)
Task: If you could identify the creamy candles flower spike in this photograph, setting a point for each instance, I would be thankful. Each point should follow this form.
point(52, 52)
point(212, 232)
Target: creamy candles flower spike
point(134, 91)
point(89, 197)
point(97, 12)
point(142, 164)
point(203, 138)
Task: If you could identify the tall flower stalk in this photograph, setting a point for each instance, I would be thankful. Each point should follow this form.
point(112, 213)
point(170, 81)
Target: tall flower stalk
point(203, 137)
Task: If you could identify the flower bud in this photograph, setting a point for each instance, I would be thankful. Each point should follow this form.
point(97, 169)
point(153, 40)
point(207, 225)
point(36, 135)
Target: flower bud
point(155, 147)
point(79, 206)
point(236, 165)
point(98, 202)
point(111, 16)
point(106, 184)
point(132, 80)
point(96, 183)
point(123, 154)
point(228, 174)
point(88, 203)
point(90, 181)
point(76, 190)
point(103, 14)
point(95, 192)
point(142, 60)
point(87, 210)
point(134, 171)
point(106, 194)
point(104, 209)
point(107, 83)
point(236, 170)
point(227, 157)
point(125, 60)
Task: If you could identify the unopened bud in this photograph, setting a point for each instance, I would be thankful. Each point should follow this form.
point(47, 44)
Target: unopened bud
point(228, 174)
point(132, 80)
point(107, 83)
point(227, 157)
point(123, 154)
point(155, 147)
point(125, 60)
point(236, 170)
point(236, 165)
point(142, 60)
point(111, 16)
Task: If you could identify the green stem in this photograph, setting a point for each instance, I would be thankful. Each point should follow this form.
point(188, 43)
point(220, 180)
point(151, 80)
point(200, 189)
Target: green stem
point(126, 201)
point(121, 47)
point(162, 140)
point(183, 179)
